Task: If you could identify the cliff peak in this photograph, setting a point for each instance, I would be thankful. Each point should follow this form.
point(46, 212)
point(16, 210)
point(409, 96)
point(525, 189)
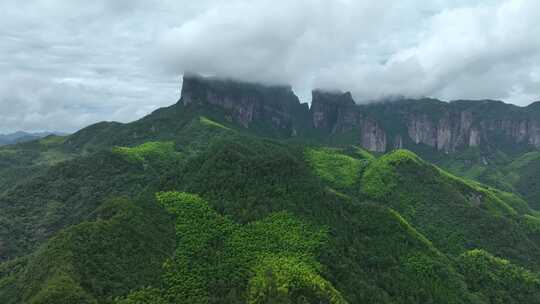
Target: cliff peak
point(335, 97)
point(195, 86)
point(245, 102)
point(326, 105)
point(384, 126)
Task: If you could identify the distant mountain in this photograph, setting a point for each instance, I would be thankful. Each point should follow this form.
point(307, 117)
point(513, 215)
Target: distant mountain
point(21, 136)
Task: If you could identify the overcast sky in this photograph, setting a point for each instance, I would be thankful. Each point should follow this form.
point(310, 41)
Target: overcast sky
point(66, 64)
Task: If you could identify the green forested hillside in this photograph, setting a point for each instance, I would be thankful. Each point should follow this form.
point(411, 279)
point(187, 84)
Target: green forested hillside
point(185, 207)
point(518, 173)
point(25, 160)
point(121, 246)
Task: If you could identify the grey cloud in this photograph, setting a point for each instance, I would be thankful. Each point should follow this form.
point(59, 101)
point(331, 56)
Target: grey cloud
point(446, 49)
point(67, 64)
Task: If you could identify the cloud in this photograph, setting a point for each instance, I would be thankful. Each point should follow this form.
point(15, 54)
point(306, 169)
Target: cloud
point(273, 41)
point(473, 49)
point(67, 64)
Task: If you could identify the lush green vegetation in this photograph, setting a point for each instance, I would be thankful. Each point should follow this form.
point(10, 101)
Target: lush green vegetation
point(497, 280)
point(23, 161)
point(67, 194)
point(215, 257)
point(519, 174)
point(337, 169)
point(64, 193)
point(453, 213)
point(183, 206)
point(121, 247)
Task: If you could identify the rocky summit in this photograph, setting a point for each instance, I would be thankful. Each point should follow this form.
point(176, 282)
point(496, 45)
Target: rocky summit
point(378, 127)
point(246, 103)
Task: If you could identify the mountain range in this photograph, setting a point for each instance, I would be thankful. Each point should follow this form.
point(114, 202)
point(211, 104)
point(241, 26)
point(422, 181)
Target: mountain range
point(240, 193)
point(21, 136)
point(380, 127)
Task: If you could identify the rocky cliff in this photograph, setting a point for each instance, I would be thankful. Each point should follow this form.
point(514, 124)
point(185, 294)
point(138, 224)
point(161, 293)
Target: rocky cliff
point(246, 103)
point(325, 107)
point(379, 127)
point(443, 126)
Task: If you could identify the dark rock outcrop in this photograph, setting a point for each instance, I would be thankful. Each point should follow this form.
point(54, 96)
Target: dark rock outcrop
point(379, 127)
point(325, 107)
point(443, 126)
point(246, 103)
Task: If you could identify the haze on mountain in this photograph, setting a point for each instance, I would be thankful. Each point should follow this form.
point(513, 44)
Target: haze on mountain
point(67, 65)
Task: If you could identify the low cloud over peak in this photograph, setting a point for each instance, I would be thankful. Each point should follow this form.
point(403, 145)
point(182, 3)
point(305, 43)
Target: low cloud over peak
point(70, 64)
point(479, 49)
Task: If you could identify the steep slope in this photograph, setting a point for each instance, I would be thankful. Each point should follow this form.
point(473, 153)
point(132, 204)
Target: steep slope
point(22, 161)
point(424, 125)
point(455, 214)
point(524, 175)
point(519, 174)
point(497, 280)
point(63, 196)
point(67, 192)
point(272, 109)
point(432, 125)
point(120, 247)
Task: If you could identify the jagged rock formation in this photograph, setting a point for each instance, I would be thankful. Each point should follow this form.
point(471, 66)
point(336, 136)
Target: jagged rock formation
point(378, 127)
point(325, 107)
point(373, 138)
point(446, 127)
point(246, 103)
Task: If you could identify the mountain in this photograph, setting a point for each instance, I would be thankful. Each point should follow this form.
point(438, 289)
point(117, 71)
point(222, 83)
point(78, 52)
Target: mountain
point(239, 193)
point(248, 104)
point(379, 127)
point(474, 139)
point(20, 136)
point(447, 127)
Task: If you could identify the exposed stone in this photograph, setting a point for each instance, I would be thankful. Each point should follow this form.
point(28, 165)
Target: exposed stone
point(373, 137)
point(446, 127)
point(422, 130)
point(474, 138)
point(534, 137)
point(398, 142)
point(325, 107)
point(245, 103)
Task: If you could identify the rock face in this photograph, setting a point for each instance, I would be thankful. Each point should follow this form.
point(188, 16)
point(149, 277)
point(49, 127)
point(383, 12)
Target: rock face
point(462, 124)
point(373, 138)
point(325, 107)
point(445, 130)
point(442, 126)
point(246, 103)
point(445, 127)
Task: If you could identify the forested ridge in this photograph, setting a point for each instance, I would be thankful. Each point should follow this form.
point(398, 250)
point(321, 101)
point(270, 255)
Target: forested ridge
point(186, 206)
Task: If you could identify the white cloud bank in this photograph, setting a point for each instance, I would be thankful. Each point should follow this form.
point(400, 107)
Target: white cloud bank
point(67, 64)
point(473, 49)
